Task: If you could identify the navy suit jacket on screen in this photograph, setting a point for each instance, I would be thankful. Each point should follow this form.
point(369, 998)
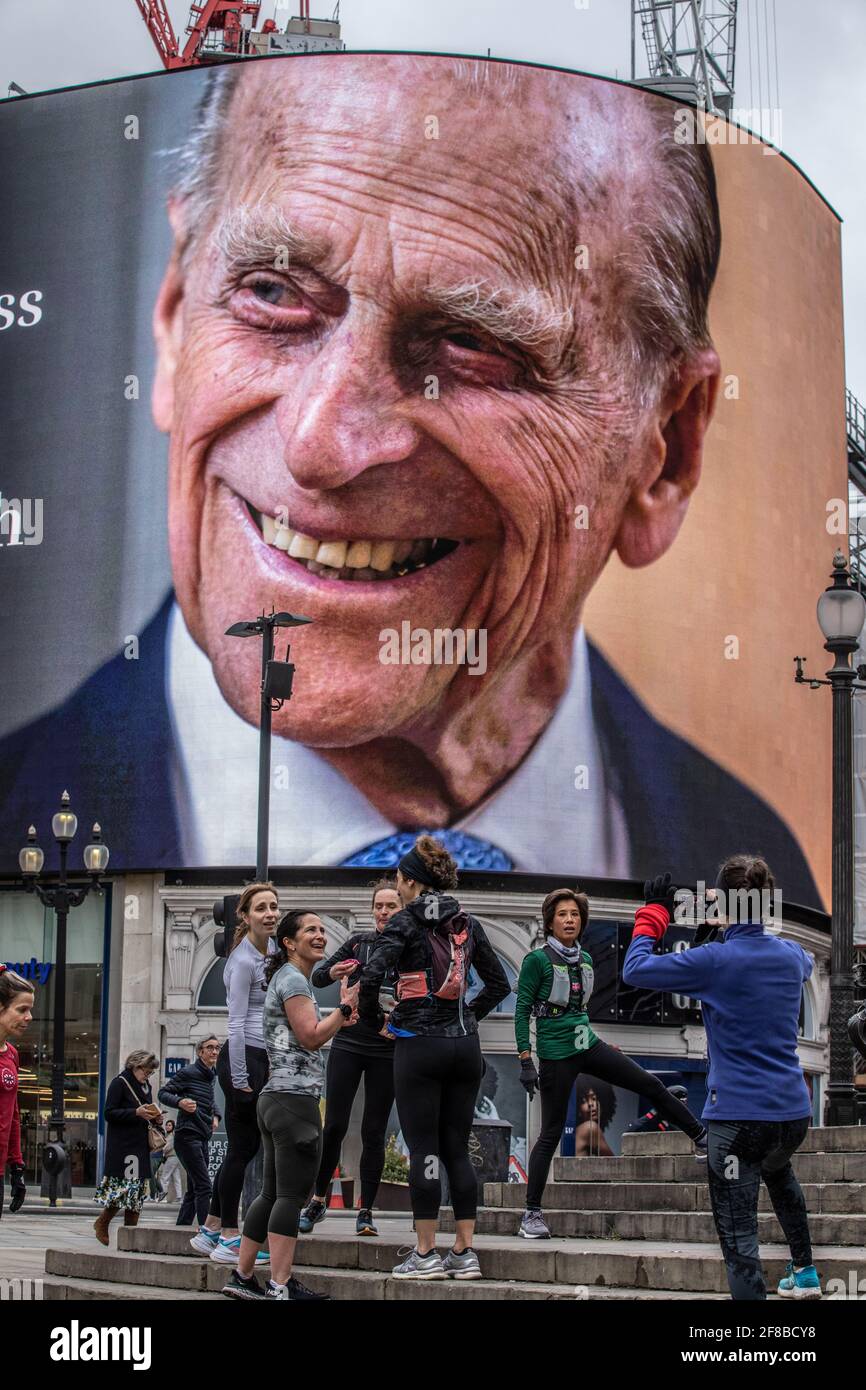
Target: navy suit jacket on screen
point(683, 812)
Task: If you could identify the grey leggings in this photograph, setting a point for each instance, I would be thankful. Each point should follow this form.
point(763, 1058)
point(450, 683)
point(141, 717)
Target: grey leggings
point(291, 1129)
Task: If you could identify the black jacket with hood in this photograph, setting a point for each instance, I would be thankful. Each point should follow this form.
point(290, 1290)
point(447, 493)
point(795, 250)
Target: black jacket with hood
point(405, 945)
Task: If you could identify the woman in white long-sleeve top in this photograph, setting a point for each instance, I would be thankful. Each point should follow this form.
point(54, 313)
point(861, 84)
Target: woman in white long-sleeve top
point(242, 1068)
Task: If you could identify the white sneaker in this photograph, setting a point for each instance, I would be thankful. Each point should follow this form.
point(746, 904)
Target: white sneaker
point(205, 1242)
point(226, 1252)
point(418, 1266)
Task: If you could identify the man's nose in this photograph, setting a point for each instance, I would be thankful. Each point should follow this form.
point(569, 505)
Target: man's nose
point(345, 414)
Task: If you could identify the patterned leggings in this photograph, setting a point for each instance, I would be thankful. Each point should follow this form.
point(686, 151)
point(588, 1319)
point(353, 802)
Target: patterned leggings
point(740, 1154)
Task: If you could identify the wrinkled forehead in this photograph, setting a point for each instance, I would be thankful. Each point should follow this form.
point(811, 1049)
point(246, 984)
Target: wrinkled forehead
point(564, 152)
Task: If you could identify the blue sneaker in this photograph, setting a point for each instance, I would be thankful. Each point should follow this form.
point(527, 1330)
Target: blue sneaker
point(313, 1212)
point(206, 1241)
point(803, 1283)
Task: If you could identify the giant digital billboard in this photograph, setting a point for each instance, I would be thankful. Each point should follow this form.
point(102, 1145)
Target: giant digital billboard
point(526, 392)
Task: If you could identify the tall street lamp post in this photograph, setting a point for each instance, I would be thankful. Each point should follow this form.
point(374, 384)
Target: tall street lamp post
point(61, 897)
point(841, 615)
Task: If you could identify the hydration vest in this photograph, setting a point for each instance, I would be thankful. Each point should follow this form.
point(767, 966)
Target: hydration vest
point(450, 965)
point(565, 991)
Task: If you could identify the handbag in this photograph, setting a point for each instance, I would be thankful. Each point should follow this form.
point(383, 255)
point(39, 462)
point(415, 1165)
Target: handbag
point(156, 1137)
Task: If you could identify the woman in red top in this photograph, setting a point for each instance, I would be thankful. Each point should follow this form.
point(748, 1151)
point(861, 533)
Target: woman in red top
point(16, 1011)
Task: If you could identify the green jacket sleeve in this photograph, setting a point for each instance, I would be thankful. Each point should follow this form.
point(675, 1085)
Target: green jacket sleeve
point(527, 993)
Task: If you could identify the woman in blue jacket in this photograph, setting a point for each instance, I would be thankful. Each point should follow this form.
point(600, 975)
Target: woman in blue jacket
point(758, 1106)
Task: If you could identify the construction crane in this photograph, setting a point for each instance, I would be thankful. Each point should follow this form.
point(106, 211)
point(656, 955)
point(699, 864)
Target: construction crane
point(690, 47)
point(215, 29)
point(224, 29)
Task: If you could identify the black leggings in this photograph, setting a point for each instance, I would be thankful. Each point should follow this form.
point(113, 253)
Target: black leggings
point(740, 1153)
point(555, 1082)
point(345, 1069)
point(291, 1127)
point(242, 1131)
point(436, 1082)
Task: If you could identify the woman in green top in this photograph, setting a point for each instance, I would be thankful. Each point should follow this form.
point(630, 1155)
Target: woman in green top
point(554, 987)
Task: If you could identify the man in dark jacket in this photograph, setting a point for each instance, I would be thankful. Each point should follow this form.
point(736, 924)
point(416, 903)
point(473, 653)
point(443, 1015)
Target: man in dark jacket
point(191, 1091)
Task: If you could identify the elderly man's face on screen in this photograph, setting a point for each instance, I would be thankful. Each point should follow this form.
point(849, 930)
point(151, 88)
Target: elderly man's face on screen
point(428, 353)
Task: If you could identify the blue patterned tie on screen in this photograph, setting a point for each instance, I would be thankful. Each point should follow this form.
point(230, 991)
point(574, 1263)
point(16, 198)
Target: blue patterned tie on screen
point(467, 850)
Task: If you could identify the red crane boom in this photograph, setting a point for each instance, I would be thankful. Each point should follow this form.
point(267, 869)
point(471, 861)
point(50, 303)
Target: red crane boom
point(209, 14)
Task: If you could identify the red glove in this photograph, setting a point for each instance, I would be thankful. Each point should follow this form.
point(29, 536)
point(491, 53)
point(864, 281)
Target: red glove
point(651, 920)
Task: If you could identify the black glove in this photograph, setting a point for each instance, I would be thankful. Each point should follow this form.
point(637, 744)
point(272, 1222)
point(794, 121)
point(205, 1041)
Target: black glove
point(528, 1076)
point(660, 890)
point(17, 1187)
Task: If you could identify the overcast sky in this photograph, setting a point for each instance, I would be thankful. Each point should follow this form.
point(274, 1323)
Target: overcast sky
point(820, 51)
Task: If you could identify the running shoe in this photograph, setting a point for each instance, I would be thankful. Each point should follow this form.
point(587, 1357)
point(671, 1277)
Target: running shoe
point(206, 1241)
point(300, 1292)
point(226, 1252)
point(313, 1212)
point(701, 1147)
point(418, 1266)
point(533, 1225)
point(236, 1286)
point(278, 1293)
point(364, 1225)
point(800, 1283)
point(462, 1266)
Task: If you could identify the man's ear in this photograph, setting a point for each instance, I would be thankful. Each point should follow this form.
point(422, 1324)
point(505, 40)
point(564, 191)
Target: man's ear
point(671, 466)
point(167, 325)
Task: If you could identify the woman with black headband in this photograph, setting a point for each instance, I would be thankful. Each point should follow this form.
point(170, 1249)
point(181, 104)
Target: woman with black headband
point(355, 1053)
point(432, 944)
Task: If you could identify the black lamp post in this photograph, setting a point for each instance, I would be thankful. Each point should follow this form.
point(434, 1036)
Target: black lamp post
point(841, 615)
point(61, 897)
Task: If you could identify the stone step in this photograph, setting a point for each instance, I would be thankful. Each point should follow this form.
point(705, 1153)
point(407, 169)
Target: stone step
point(824, 1198)
point(816, 1167)
point(838, 1139)
point(57, 1290)
point(357, 1285)
point(508, 1262)
point(678, 1227)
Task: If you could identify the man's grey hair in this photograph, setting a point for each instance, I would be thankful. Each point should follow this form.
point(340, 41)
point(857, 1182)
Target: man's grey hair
point(670, 257)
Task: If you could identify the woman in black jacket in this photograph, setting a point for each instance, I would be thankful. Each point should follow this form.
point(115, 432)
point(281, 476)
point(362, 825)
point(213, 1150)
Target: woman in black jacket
point(128, 1111)
point(432, 944)
point(356, 1052)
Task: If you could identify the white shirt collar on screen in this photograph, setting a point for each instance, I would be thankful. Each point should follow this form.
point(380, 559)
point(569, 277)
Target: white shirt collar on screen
point(538, 817)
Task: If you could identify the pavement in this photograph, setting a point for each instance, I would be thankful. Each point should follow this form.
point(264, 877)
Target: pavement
point(25, 1237)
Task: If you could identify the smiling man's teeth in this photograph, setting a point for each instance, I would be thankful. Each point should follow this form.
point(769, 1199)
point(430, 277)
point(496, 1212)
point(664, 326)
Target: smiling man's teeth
point(364, 560)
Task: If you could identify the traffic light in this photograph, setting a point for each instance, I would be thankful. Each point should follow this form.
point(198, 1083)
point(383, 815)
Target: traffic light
point(225, 914)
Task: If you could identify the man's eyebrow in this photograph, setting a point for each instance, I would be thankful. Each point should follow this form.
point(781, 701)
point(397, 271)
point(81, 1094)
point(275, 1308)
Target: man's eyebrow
point(255, 236)
point(523, 318)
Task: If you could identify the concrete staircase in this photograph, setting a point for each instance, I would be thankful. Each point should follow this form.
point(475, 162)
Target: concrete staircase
point(633, 1227)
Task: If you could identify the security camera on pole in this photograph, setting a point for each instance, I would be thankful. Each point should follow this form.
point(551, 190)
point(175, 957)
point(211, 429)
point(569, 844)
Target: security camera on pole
point(276, 687)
